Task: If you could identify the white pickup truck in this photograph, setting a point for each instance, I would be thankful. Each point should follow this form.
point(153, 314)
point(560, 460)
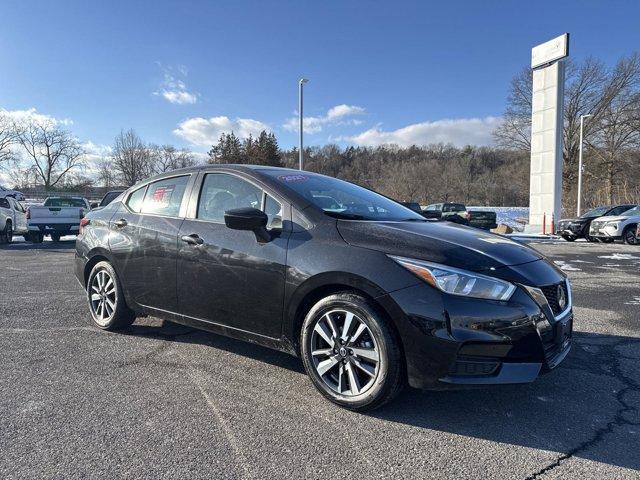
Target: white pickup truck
point(58, 216)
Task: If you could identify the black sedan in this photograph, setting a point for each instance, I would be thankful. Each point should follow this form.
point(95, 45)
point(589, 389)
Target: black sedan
point(370, 294)
point(573, 228)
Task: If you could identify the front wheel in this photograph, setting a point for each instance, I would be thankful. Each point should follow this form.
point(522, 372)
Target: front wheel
point(568, 238)
point(55, 237)
point(607, 240)
point(351, 353)
point(6, 235)
point(108, 308)
point(629, 235)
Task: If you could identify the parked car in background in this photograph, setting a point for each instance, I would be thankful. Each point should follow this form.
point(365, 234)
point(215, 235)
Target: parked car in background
point(415, 206)
point(638, 234)
point(617, 227)
point(58, 216)
point(13, 219)
point(458, 213)
point(370, 296)
point(6, 192)
point(573, 228)
point(109, 197)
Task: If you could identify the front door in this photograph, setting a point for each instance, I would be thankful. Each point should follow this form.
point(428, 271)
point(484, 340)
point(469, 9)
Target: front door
point(229, 278)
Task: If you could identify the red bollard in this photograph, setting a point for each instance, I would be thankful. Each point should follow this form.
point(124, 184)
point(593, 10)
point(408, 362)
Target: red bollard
point(553, 227)
point(544, 223)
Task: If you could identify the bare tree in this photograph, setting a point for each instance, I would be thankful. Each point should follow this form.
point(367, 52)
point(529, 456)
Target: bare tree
point(515, 130)
point(167, 157)
point(7, 139)
point(106, 173)
point(51, 151)
point(131, 158)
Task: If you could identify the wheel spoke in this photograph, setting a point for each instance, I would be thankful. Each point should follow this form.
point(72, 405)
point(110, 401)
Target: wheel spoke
point(364, 367)
point(99, 278)
point(340, 378)
point(323, 351)
point(321, 330)
point(110, 303)
point(347, 325)
point(108, 285)
point(354, 383)
point(332, 325)
point(361, 328)
point(95, 297)
point(326, 365)
point(368, 353)
point(95, 288)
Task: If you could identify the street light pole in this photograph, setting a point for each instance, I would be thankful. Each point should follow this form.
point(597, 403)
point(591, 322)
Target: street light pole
point(301, 127)
point(582, 117)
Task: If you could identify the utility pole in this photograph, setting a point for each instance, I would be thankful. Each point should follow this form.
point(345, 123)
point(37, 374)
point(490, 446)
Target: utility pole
point(300, 113)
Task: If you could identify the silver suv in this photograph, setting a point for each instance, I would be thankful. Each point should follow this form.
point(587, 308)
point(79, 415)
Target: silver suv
point(618, 227)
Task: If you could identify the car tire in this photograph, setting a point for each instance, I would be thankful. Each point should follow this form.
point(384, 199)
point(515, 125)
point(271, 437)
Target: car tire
point(36, 237)
point(55, 237)
point(108, 308)
point(569, 238)
point(360, 369)
point(629, 235)
point(607, 240)
point(6, 235)
point(591, 239)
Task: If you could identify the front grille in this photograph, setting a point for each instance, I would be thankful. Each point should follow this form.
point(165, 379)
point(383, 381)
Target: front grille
point(551, 294)
point(473, 368)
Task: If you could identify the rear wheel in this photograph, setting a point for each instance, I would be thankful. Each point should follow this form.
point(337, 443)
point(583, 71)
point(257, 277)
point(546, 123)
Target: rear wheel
point(629, 235)
point(55, 237)
point(35, 237)
point(108, 308)
point(6, 235)
point(569, 238)
point(350, 352)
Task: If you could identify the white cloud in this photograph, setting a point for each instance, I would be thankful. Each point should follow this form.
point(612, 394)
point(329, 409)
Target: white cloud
point(32, 114)
point(173, 88)
point(204, 132)
point(335, 116)
point(459, 132)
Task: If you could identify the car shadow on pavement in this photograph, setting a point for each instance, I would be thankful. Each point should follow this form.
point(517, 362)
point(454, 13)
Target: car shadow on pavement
point(576, 410)
point(587, 408)
point(46, 245)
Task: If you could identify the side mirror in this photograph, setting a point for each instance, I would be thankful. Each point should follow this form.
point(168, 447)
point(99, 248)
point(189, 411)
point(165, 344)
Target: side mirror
point(248, 218)
point(94, 205)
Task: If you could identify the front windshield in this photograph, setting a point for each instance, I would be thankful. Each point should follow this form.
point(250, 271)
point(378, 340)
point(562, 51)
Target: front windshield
point(631, 213)
point(596, 212)
point(64, 202)
point(341, 199)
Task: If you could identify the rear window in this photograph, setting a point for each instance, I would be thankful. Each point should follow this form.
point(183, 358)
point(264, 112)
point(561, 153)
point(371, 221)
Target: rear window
point(65, 202)
point(165, 196)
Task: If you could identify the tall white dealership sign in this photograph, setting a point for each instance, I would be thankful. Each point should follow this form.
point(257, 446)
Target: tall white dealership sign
point(545, 193)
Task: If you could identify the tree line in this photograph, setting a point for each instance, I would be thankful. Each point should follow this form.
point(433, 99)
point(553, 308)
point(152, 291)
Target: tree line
point(52, 156)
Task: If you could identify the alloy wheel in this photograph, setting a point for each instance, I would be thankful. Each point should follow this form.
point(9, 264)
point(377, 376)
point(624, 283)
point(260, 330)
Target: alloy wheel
point(102, 297)
point(9, 233)
point(345, 353)
point(630, 236)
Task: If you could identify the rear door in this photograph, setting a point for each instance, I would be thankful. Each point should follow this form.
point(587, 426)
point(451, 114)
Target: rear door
point(163, 212)
point(230, 278)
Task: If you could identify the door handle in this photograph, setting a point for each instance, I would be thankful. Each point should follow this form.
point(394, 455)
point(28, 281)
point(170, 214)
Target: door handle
point(120, 223)
point(192, 239)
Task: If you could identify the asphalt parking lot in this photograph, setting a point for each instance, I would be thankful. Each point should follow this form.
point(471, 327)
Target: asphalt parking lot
point(165, 401)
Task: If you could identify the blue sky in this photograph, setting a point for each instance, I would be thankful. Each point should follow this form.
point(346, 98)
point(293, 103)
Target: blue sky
point(180, 72)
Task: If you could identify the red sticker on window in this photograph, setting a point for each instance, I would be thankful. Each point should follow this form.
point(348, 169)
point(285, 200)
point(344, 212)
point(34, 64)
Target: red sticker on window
point(293, 178)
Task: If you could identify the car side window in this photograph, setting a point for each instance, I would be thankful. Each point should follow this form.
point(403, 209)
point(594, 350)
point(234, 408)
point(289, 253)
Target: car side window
point(4, 203)
point(221, 192)
point(135, 199)
point(165, 196)
point(273, 209)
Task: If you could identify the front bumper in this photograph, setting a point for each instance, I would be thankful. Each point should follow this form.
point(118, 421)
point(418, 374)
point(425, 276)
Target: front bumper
point(599, 230)
point(453, 342)
point(569, 229)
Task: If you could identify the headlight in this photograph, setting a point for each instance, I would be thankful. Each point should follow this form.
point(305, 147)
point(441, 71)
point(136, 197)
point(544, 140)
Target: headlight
point(613, 225)
point(458, 282)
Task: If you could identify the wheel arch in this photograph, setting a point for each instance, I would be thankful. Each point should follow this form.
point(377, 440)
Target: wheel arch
point(325, 284)
point(93, 257)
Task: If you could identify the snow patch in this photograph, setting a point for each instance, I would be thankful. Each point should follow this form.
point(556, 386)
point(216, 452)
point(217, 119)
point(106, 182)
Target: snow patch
point(567, 267)
point(620, 256)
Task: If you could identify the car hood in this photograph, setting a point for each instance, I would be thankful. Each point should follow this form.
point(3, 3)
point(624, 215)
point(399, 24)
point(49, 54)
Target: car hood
point(440, 242)
point(613, 218)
